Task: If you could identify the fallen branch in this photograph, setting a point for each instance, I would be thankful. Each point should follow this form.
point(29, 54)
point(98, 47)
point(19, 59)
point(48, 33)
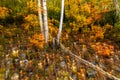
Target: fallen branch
point(89, 64)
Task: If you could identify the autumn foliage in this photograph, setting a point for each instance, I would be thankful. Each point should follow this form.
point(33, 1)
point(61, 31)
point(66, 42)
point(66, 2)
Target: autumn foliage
point(90, 30)
point(37, 40)
point(103, 49)
point(31, 21)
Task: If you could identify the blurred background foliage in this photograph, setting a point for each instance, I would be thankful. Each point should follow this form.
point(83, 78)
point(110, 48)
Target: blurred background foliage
point(94, 17)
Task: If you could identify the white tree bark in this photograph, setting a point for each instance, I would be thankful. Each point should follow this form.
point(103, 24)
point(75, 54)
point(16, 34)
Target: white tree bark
point(45, 21)
point(116, 5)
point(40, 16)
point(61, 22)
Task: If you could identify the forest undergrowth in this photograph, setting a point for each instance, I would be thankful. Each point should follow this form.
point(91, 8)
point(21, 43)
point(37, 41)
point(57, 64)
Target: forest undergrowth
point(20, 61)
point(91, 31)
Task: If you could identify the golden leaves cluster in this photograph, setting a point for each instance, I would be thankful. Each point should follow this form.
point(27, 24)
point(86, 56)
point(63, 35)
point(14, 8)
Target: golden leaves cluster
point(85, 13)
point(86, 8)
point(88, 21)
point(31, 21)
point(97, 32)
point(4, 12)
point(32, 5)
point(37, 40)
point(53, 30)
point(1, 26)
point(103, 49)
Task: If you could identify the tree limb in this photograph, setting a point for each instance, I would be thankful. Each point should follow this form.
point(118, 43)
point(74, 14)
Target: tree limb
point(89, 64)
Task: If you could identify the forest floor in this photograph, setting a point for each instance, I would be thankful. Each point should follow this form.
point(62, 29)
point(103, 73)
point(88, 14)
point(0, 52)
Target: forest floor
point(20, 62)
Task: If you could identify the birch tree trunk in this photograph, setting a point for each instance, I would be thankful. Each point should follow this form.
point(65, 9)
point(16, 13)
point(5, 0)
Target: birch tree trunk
point(45, 21)
point(116, 5)
point(61, 22)
point(40, 16)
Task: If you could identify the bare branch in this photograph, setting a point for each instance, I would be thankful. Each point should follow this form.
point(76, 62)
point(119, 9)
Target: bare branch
point(89, 64)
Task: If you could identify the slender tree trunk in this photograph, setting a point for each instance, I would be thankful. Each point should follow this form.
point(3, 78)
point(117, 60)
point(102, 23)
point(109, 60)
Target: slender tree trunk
point(116, 5)
point(45, 21)
point(40, 16)
point(61, 22)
